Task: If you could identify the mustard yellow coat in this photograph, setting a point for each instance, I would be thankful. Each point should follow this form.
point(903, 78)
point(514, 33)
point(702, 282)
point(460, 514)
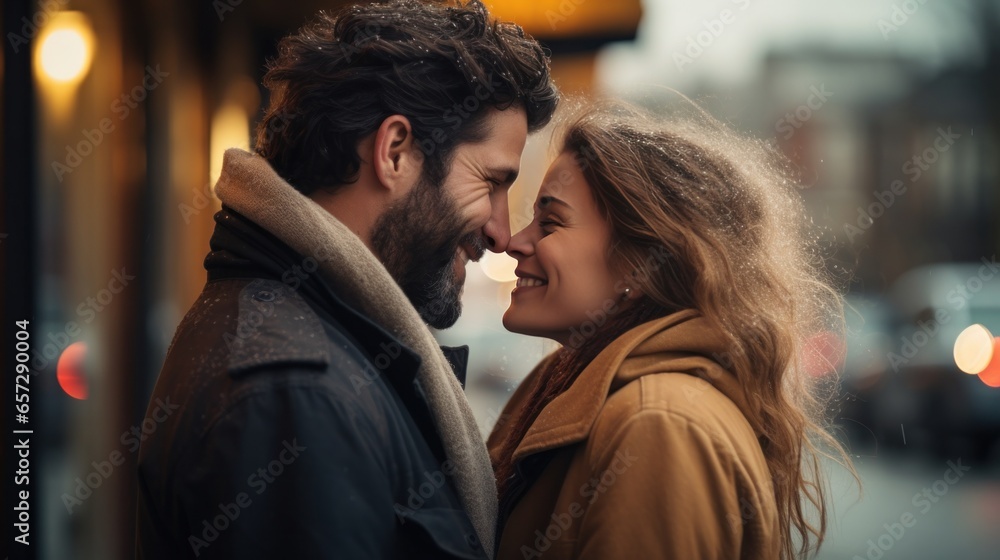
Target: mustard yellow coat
point(648, 455)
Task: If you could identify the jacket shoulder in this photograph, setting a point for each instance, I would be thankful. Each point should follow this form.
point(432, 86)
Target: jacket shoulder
point(238, 325)
point(680, 393)
point(237, 329)
point(686, 401)
point(275, 325)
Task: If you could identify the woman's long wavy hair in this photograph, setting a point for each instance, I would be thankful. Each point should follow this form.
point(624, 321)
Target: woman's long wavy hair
point(744, 253)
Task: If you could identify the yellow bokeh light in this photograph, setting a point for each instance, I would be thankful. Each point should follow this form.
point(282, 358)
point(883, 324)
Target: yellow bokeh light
point(64, 55)
point(569, 18)
point(498, 267)
point(974, 349)
point(230, 129)
point(65, 48)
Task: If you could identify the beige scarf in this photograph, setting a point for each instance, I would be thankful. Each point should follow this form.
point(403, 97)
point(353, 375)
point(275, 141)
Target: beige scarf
point(251, 187)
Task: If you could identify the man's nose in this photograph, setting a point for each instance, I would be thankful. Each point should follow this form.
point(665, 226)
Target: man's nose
point(497, 229)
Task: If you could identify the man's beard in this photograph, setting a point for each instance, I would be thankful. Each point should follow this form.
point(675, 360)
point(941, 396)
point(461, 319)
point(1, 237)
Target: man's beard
point(417, 239)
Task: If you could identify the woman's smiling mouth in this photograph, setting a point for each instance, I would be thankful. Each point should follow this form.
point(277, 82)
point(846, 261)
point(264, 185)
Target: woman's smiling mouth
point(526, 280)
point(530, 282)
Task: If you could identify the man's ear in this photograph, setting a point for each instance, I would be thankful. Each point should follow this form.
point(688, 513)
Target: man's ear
point(397, 159)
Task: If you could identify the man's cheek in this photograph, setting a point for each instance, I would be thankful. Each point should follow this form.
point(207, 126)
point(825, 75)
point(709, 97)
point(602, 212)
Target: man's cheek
point(471, 202)
point(500, 205)
point(478, 213)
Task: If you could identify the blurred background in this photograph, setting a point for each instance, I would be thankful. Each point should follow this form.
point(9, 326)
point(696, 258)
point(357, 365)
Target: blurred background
point(116, 115)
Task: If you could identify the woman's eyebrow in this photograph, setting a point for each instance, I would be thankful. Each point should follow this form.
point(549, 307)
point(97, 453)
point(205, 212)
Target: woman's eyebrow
point(546, 200)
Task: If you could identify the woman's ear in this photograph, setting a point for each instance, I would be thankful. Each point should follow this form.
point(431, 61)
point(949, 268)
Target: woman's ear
point(625, 287)
point(630, 293)
point(397, 159)
point(626, 291)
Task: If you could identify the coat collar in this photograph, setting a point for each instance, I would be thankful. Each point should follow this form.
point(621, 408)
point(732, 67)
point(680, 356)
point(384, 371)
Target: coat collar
point(683, 342)
point(241, 249)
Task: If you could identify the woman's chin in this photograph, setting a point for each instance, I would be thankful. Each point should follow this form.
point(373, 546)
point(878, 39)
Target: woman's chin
point(514, 320)
point(510, 323)
point(523, 320)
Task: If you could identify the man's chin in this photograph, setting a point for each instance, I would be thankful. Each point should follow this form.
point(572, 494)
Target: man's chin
point(441, 315)
point(444, 307)
point(458, 274)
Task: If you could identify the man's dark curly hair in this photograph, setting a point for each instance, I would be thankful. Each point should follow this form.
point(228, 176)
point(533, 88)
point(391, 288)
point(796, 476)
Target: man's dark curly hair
point(441, 65)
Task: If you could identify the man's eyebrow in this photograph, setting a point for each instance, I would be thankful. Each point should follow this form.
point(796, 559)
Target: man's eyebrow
point(545, 200)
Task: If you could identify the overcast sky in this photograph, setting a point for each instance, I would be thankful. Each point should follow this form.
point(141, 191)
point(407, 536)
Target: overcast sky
point(935, 33)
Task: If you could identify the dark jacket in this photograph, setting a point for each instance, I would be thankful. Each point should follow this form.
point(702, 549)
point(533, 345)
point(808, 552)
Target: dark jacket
point(301, 432)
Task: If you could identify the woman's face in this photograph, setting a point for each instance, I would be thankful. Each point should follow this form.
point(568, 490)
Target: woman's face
point(565, 288)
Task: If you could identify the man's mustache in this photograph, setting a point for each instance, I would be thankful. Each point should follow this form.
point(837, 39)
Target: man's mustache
point(473, 241)
point(476, 242)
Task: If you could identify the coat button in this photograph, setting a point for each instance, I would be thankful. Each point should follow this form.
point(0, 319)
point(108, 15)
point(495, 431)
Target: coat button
point(473, 541)
point(264, 295)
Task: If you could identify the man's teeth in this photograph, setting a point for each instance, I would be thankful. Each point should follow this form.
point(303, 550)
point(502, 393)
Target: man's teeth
point(529, 282)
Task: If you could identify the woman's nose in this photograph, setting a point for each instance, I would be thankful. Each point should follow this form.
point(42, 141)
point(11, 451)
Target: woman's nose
point(521, 244)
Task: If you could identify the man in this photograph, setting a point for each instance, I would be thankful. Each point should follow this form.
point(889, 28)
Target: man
point(317, 417)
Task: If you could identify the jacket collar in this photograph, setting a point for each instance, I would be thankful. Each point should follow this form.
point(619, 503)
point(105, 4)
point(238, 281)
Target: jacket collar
point(458, 358)
point(683, 342)
point(242, 249)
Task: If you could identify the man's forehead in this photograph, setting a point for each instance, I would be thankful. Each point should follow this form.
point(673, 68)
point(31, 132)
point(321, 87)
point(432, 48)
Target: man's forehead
point(501, 147)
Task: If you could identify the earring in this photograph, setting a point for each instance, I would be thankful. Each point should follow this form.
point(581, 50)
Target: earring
point(627, 292)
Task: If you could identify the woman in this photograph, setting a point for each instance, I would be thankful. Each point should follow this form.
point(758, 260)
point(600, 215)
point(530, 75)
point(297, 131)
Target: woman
point(671, 263)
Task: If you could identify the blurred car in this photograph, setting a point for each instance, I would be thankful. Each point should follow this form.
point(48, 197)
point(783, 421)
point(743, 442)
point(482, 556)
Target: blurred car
point(900, 386)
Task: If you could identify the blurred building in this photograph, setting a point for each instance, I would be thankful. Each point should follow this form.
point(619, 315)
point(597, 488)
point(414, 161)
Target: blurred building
point(116, 115)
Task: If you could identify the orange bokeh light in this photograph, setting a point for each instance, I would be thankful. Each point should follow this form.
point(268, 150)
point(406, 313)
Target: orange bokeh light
point(991, 375)
point(70, 371)
point(823, 353)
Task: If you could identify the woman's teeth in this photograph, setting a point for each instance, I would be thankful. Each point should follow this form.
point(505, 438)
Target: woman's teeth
point(530, 282)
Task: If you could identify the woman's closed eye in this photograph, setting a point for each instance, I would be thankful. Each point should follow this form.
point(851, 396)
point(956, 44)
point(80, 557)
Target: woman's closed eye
point(548, 226)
